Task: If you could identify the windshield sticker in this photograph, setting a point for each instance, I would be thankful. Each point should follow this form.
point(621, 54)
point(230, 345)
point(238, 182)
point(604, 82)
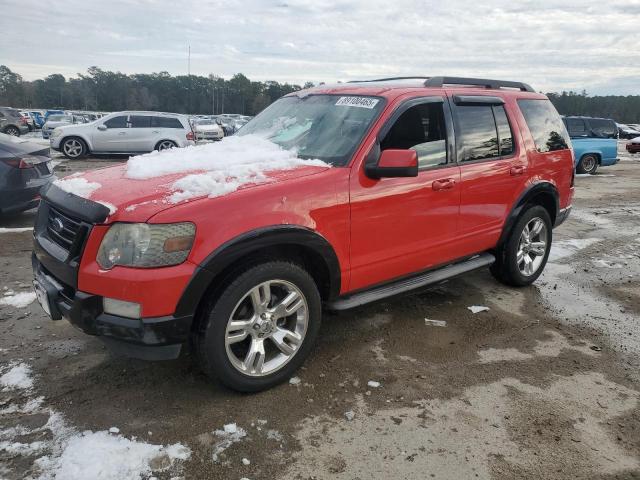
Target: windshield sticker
point(362, 102)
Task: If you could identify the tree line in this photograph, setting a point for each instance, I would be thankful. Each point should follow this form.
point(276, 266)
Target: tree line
point(102, 90)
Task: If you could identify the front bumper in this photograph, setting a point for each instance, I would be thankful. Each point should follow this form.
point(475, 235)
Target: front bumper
point(159, 338)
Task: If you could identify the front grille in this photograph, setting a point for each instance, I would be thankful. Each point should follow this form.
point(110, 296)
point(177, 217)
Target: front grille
point(63, 229)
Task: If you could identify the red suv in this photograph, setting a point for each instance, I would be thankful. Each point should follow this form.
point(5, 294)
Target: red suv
point(413, 181)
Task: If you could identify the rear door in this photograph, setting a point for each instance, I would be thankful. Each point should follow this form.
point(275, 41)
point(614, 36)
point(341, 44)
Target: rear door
point(404, 225)
point(493, 169)
point(140, 133)
point(115, 138)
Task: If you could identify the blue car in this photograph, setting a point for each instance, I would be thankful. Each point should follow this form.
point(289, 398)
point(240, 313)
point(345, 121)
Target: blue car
point(38, 119)
point(595, 142)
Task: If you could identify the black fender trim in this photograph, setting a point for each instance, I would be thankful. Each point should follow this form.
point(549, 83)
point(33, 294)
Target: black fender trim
point(524, 198)
point(234, 250)
point(86, 210)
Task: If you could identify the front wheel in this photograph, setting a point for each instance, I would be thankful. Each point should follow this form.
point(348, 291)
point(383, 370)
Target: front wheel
point(74, 148)
point(588, 164)
point(523, 256)
point(13, 131)
point(261, 328)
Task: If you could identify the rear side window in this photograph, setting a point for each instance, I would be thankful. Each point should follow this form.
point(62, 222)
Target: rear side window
point(576, 127)
point(117, 122)
point(545, 125)
point(166, 122)
point(603, 128)
point(140, 121)
point(484, 132)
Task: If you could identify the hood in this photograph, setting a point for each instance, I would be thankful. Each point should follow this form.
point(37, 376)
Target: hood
point(57, 124)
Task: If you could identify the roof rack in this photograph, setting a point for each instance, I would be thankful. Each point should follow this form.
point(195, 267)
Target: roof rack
point(494, 84)
point(389, 79)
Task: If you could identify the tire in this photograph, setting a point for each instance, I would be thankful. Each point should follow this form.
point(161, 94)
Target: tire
point(511, 267)
point(225, 352)
point(588, 164)
point(165, 145)
point(73, 148)
point(13, 131)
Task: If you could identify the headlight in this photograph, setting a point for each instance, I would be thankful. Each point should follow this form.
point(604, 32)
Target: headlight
point(145, 245)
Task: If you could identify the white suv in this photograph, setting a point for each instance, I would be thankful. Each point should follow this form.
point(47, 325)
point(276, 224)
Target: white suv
point(124, 132)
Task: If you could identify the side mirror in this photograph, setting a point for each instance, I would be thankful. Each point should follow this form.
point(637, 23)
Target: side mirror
point(394, 163)
point(102, 127)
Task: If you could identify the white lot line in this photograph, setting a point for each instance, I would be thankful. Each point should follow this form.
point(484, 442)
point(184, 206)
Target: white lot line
point(65, 453)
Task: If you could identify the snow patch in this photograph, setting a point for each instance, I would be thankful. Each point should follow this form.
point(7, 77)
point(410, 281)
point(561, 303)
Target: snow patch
point(18, 300)
point(223, 166)
point(18, 377)
point(78, 186)
point(566, 248)
point(112, 208)
point(373, 384)
point(478, 308)
point(294, 381)
point(230, 434)
point(16, 230)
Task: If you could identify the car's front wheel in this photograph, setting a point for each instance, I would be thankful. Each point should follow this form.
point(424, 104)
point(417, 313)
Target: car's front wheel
point(74, 148)
point(13, 131)
point(523, 256)
point(261, 327)
point(588, 164)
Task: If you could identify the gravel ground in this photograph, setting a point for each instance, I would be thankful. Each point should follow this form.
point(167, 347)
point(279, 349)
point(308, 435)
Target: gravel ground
point(543, 385)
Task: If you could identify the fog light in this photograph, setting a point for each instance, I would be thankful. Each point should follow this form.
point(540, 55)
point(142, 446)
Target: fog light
point(121, 308)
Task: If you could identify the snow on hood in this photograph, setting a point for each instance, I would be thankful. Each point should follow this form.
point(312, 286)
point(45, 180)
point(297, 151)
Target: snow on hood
point(154, 181)
point(223, 167)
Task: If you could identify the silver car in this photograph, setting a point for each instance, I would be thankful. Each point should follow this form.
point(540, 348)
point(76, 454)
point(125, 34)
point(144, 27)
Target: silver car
point(55, 121)
point(124, 132)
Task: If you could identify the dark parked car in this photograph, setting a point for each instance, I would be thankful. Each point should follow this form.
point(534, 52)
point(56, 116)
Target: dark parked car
point(25, 167)
point(12, 122)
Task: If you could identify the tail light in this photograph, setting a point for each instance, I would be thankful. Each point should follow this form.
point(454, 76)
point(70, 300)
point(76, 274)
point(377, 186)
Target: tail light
point(190, 136)
point(17, 163)
point(23, 120)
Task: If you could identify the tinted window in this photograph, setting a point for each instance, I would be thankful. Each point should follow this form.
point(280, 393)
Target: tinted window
point(166, 122)
point(117, 122)
point(478, 134)
point(505, 137)
point(545, 125)
point(601, 127)
point(576, 127)
point(420, 128)
point(140, 121)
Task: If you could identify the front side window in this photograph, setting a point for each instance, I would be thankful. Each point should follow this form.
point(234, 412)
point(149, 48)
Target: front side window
point(323, 127)
point(420, 128)
point(117, 122)
point(576, 127)
point(140, 121)
point(545, 125)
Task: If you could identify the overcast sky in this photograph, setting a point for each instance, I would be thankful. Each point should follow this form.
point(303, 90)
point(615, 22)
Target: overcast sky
point(553, 45)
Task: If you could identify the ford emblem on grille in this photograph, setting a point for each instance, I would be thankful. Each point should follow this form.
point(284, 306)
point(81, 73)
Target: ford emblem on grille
point(57, 225)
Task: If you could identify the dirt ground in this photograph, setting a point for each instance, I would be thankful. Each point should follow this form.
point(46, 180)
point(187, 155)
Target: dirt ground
point(543, 385)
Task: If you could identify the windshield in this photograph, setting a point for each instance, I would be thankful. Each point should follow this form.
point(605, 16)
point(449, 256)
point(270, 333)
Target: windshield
point(324, 127)
point(205, 122)
point(59, 118)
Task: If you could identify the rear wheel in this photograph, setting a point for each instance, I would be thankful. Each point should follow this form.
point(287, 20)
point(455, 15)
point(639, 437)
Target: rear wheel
point(13, 131)
point(74, 148)
point(165, 145)
point(261, 327)
point(588, 164)
point(522, 258)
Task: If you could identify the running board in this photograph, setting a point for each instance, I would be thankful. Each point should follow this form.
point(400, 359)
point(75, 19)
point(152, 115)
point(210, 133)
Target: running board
point(401, 286)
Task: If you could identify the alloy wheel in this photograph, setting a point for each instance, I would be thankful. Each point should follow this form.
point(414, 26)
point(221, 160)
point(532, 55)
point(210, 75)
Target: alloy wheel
point(72, 148)
point(588, 163)
point(165, 145)
point(266, 328)
point(532, 247)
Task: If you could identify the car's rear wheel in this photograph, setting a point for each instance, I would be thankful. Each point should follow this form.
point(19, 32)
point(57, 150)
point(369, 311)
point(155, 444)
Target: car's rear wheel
point(74, 148)
point(13, 131)
point(523, 256)
point(165, 145)
point(588, 164)
point(261, 327)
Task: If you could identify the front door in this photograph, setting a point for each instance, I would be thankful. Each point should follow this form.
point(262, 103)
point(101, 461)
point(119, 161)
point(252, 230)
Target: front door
point(401, 226)
point(113, 138)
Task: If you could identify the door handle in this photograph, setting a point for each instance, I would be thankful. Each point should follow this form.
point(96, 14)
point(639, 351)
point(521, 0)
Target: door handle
point(122, 133)
point(155, 131)
point(517, 170)
point(443, 184)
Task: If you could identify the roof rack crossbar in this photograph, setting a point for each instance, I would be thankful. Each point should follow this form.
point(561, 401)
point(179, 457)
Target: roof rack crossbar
point(388, 79)
point(493, 84)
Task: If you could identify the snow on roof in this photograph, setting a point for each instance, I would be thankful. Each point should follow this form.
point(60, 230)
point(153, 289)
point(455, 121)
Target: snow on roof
point(224, 166)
